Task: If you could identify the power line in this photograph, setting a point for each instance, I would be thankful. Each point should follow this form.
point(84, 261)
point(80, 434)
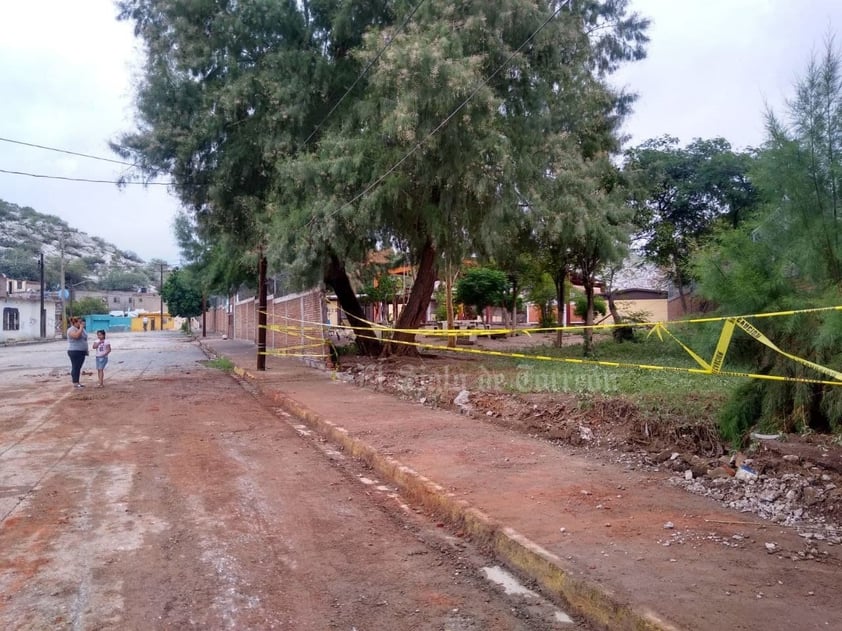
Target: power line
point(129, 164)
point(72, 153)
point(82, 179)
point(449, 117)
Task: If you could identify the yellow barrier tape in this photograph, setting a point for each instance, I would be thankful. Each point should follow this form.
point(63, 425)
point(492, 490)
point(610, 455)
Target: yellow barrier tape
point(656, 328)
point(753, 332)
point(565, 329)
point(722, 346)
point(292, 331)
point(299, 346)
point(610, 364)
point(280, 353)
point(660, 330)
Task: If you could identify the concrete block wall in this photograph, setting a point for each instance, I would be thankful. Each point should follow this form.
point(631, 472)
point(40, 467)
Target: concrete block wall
point(293, 321)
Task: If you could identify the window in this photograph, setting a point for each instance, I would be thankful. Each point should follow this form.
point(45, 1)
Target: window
point(116, 300)
point(19, 284)
point(11, 319)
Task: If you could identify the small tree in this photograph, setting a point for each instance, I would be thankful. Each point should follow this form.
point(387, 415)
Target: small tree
point(86, 306)
point(381, 292)
point(482, 287)
point(542, 292)
point(182, 294)
point(580, 307)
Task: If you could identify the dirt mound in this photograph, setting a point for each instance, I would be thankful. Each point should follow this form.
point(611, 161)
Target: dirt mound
point(792, 480)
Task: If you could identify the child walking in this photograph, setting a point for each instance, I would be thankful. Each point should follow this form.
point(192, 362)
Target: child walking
point(103, 350)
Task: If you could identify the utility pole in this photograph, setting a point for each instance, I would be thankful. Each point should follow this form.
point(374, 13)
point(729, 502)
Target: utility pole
point(43, 311)
point(161, 294)
point(261, 311)
point(62, 289)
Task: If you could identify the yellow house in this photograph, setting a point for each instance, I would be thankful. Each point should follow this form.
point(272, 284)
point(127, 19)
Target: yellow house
point(152, 322)
point(648, 305)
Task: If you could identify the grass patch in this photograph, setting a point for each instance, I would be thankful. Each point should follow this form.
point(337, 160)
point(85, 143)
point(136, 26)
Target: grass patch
point(221, 363)
point(654, 390)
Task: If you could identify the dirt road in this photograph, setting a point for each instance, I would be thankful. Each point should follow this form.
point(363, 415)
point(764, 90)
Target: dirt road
point(175, 498)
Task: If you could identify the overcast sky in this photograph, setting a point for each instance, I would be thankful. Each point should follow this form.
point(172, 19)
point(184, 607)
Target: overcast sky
point(67, 69)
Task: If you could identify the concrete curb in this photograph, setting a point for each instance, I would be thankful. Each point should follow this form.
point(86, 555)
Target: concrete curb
point(599, 605)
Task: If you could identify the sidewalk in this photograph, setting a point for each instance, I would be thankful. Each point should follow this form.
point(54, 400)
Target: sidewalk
point(623, 548)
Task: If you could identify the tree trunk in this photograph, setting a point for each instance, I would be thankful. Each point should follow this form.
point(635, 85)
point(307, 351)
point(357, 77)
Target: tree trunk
point(587, 335)
point(679, 281)
point(513, 311)
point(416, 306)
point(448, 293)
point(337, 278)
point(620, 333)
point(561, 301)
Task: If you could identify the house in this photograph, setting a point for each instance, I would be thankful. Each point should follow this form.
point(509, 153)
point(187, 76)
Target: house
point(641, 304)
point(22, 312)
point(125, 301)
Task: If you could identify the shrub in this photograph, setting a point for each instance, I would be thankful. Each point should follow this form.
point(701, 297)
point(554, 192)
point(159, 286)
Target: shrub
point(739, 414)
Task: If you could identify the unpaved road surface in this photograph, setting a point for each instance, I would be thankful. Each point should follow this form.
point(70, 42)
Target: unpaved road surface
point(175, 498)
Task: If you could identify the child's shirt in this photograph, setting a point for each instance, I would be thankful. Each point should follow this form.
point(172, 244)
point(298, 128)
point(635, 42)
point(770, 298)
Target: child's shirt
point(103, 347)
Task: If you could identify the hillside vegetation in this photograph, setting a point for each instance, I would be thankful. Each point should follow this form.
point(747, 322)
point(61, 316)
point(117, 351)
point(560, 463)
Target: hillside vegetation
point(89, 261)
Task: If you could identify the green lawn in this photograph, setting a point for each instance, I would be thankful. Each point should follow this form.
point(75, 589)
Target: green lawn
point(654, 390)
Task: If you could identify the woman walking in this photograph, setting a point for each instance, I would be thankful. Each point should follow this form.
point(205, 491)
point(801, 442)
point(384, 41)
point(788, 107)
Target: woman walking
point(77, 349)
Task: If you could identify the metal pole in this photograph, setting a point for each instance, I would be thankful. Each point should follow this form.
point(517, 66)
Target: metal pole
point(62, 290)
point(261, 312)
point(161, 294)
point(43, 311)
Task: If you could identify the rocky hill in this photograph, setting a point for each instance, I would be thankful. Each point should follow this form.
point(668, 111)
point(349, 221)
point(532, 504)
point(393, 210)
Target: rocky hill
point(25, 233)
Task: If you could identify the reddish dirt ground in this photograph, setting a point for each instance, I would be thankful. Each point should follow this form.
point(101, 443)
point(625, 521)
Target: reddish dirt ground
point(611, 428)
point(182, 501)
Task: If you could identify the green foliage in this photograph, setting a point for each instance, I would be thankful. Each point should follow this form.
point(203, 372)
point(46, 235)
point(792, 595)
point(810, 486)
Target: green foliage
point(124, 280)
point(678, 194)
point(740, 412)
point(481, 287)
point(441, 303)
point(20, 263)
point(221, 363)
point(76, 272)
point(580, 305)
point(383, 289)
point(86, 306)
point(789, 256)
point(541, 291)
point(182, 295)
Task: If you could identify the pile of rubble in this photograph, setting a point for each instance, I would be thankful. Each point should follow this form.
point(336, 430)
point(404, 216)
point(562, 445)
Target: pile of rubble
point(809, 500)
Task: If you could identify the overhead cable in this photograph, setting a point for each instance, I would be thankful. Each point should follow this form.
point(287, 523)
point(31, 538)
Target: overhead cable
point(72, 153)
point(82, 179)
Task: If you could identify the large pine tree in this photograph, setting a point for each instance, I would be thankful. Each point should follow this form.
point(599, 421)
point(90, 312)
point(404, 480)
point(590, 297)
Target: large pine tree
point(789, 256)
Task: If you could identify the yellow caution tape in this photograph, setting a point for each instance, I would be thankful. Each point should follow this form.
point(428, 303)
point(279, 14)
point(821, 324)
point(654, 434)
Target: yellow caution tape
point(660, 329)
point(753, 332)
